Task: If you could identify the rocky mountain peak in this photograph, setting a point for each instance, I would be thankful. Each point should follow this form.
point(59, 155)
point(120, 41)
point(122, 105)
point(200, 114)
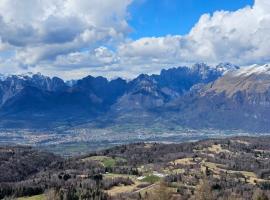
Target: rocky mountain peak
point(226, 67)
point(253, 70)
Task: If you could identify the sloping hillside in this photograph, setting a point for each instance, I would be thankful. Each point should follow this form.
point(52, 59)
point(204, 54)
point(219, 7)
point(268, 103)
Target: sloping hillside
point(233, 168)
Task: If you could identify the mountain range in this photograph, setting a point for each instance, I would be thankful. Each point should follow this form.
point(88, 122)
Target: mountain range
point(222, 97)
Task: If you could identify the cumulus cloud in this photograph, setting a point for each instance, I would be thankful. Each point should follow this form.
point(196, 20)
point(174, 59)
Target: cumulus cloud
point(41, 30)
point(241, 37)
point(78, 37)
point(98, 57)
point(3, 46)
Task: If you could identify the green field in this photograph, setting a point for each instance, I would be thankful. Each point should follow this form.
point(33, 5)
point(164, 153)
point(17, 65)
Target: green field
point(105, 160)
point(37, 197)
point(151, 179)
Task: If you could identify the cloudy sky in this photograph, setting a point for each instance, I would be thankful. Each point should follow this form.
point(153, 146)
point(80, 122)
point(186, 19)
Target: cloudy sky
point(74, 38)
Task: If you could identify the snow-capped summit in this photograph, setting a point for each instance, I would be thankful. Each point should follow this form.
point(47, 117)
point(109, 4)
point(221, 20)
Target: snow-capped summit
point(226, 67)
point(253, 69)
point(221, 69)
point(253, 81)
point(24, 76)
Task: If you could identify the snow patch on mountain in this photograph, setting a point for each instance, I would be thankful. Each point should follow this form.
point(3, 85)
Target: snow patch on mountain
point(224, 68)
point(253, 69)
point(24, 76)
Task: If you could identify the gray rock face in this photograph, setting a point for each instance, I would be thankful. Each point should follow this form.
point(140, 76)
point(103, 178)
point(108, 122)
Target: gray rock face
point(153, 92)
point(12, 85)
point(182, 79)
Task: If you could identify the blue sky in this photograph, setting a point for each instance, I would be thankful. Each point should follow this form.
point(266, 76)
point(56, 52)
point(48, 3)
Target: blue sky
point(174, 17)
point(112, 38)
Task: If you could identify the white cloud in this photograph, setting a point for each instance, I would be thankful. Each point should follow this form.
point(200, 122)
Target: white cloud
point(99, 57)
point(241, 37)
point(74, 38)
point(40, 30)
point(3, 46)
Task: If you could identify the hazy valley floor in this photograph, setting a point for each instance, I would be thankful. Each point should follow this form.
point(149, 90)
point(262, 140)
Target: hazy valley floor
point(83, 139)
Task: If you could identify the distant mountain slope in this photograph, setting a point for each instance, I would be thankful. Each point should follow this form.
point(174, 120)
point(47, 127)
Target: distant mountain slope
point(12, 85)
point(151, 92)
point(253, 82)
point(238, 100)
point(223, 97)
point(181, 79)
point(34, 100)
point(101, 90)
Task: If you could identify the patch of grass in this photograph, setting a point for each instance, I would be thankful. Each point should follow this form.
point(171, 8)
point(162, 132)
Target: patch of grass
point(217, 149)
point(151, 179)
point(109, 162)
point(123, 189)
point(183, 161)
point(106, 161)
point(174, 171)
point(217, 168)
point(120, 160)
point(111, 175)
point(37, 197)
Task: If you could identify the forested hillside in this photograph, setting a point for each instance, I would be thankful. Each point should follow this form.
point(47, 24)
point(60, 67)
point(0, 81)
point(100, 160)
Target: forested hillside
point(235, 168)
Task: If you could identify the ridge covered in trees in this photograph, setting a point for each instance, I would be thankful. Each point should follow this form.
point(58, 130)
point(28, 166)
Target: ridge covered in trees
point(233, 168)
